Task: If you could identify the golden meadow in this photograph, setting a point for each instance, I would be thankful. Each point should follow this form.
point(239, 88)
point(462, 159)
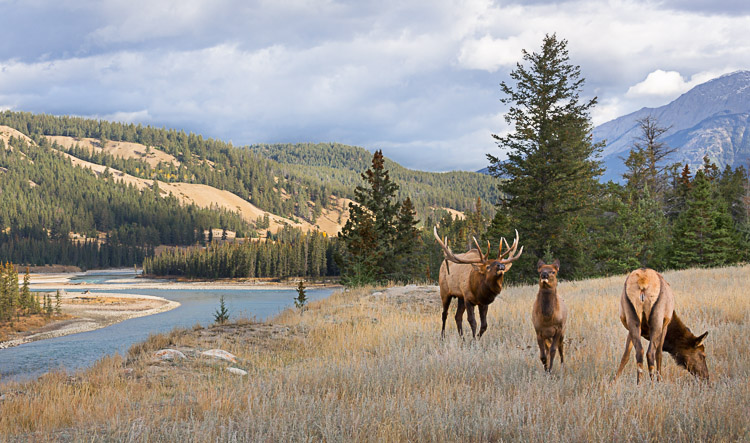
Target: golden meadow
point(369, 365)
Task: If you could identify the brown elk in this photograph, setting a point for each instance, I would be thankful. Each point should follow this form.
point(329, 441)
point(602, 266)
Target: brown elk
point(474, 280)
point(647, 309)
point(549, 315)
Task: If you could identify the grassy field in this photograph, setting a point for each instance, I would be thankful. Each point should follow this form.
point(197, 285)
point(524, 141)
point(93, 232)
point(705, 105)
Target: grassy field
point(368, 365)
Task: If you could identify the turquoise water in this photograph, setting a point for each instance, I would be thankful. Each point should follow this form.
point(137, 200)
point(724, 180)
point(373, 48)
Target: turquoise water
point(81, 350)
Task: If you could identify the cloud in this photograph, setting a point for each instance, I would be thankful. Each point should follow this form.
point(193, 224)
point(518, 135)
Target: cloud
point(418, 79)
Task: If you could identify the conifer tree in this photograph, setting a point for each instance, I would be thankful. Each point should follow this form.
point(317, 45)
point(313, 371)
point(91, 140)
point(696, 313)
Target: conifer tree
point(300, 302)
point(703, 232)
point(58, 303)
point(370, 232)
point(221, 315)
point(549, 177)
point(26, 299)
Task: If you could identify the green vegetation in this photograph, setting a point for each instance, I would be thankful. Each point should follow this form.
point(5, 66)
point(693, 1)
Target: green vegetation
point(300, 301)
point(338, 168)
point(221, 315)
point(380, 239)
point(45, 198)
point(14, 303)
point(551, 168)
point(660, 218)
point(289, 253)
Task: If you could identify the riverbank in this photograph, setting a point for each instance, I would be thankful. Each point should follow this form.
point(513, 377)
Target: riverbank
point(87, 312)
point(53, 281)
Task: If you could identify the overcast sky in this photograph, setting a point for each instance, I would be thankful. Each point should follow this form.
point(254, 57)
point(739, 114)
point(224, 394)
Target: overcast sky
point(418, 79)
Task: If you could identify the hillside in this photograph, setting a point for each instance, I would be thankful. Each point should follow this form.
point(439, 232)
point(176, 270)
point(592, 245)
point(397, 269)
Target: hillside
point(340, 167)
point(711, 119)
point(203, 196)
point(302, 188)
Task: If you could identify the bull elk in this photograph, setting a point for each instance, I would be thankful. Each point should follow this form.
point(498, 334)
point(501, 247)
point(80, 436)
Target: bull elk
point(549, 315)
point(474, 280)
point(647, 309)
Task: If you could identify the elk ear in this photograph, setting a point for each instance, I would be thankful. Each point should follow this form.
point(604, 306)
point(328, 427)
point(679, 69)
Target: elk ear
point(539, 265)
point(482, 269)
point(699, 339)
point(556, 264)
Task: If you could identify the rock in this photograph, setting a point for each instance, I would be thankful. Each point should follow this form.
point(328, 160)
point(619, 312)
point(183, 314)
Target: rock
point(376, 294)
point(221, 354)
point(169, 354)
point(237, 371)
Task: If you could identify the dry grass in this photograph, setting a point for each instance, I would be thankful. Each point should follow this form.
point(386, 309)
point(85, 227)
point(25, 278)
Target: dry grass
point(368, 365)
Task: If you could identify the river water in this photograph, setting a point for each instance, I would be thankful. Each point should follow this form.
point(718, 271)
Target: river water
point(197, 306)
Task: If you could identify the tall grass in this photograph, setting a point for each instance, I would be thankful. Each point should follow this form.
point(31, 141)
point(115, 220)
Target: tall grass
point(368, 365)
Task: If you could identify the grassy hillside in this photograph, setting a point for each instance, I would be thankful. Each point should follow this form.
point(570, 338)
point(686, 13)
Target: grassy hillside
point(295, 186)
point(368, 365)
point(341, 165)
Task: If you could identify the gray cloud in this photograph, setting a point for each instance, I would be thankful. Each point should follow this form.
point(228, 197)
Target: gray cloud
point(417, 79)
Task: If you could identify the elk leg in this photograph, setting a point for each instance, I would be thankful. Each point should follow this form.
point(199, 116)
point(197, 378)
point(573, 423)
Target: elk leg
point(471, 318)
point(553, 349)
point(446, 305)
point(636, 339)
point(542, 349)
point(656, 332)
point(661, 346)
point(460, 316)
point(482, 319)
point(625, 356)
point(560, 346)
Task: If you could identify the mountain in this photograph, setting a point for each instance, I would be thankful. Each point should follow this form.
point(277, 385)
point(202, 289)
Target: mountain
point(711, 119)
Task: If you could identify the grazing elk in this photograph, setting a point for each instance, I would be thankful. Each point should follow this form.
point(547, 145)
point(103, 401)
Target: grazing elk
point(549, 315)
point(474, 280)
point(647, 309)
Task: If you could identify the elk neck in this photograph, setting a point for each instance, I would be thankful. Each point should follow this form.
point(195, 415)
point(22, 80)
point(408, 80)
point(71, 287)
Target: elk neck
point(487, 288)
point(678, 339)
point(547, 300)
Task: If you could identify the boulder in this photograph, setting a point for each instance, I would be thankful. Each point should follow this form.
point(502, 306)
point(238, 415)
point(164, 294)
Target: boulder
point(237, 371)
point(221, 354)
point(169, 354)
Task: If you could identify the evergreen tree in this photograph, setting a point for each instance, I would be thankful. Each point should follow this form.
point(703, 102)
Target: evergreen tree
point(370, 233)
point(27, 302)
point(549, 178)
point(221, 315)
point(301, 300)
point(58, 303)
point(703, 232)
point(408, 245)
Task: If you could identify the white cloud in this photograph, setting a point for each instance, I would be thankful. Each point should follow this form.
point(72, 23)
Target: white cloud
point(490, 54)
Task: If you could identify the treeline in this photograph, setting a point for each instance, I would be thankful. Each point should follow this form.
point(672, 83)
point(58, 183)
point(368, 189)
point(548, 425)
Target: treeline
point(340, 166)
point(289, 253)
point(44, 198)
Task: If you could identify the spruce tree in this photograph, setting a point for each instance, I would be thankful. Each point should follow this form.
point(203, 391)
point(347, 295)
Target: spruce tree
point(370, 233)
point(221, 315)
point(703, 232)
point(58, 303)
point(301, 300)
point(549, 177)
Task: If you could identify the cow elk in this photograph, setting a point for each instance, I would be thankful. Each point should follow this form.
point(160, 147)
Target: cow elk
point(549, 315)
point(647, 309)
point(474, 280)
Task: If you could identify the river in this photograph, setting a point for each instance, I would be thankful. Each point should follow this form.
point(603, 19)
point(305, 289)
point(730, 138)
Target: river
point(197, 306)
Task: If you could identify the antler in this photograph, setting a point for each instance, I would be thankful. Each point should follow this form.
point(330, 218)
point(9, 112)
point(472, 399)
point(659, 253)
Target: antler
point(511, 252)
point(450, 256)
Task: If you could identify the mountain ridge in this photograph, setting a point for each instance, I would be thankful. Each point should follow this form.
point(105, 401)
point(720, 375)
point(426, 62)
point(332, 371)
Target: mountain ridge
point(712, 119)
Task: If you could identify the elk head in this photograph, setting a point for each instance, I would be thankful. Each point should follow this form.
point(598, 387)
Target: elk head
point(548, 273)
point(691, 354)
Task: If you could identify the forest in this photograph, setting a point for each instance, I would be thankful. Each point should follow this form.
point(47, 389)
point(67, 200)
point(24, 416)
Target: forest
point(44, 198)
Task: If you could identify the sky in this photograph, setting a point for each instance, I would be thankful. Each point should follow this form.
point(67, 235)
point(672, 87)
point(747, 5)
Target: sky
point(417, 79)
